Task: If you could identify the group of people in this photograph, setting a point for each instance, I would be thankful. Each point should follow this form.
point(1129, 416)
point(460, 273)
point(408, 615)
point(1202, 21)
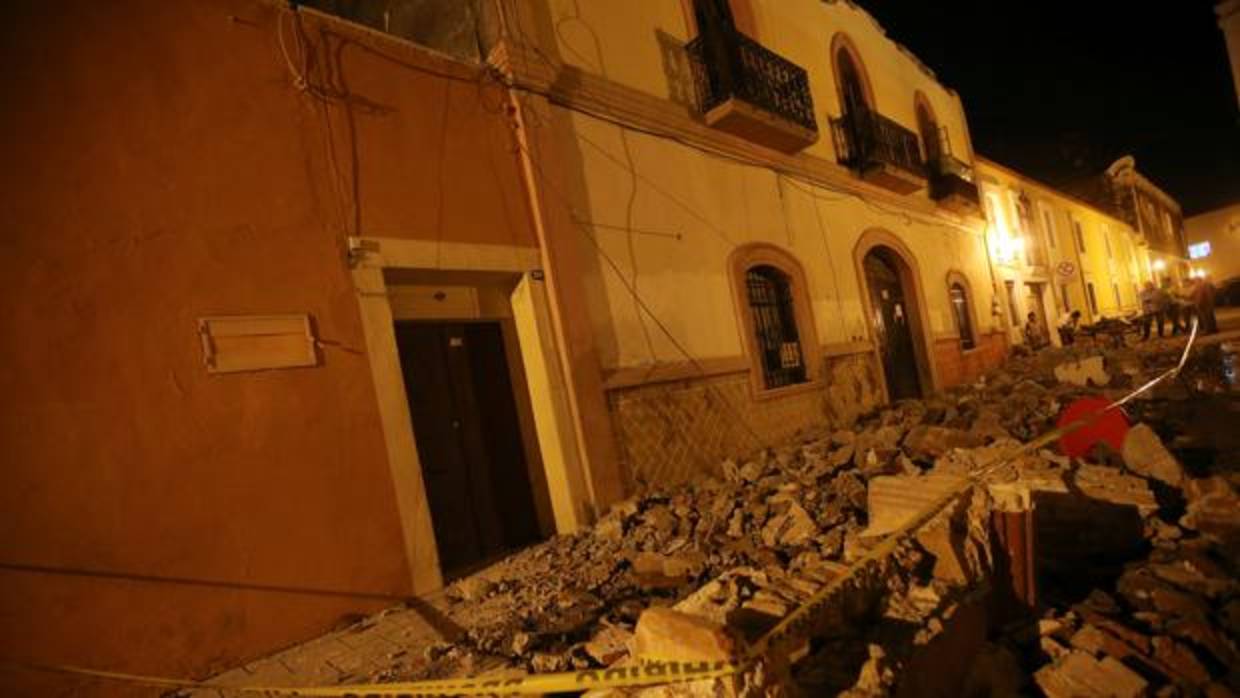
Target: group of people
point(1160, 304)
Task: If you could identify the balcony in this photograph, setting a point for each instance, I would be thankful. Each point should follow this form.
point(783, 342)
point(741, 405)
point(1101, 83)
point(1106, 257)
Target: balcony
point(951, 184)
point(747, 90)
point(880, 150)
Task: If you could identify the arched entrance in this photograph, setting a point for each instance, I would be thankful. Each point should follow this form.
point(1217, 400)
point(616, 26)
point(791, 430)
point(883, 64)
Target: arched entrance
point(895, 322)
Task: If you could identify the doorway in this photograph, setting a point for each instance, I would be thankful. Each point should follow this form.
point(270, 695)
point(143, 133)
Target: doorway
point(1033, 304)
point(459, 388)
point(893, 324)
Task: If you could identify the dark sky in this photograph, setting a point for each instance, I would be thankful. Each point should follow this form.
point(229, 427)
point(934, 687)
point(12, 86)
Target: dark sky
point(1059, 90)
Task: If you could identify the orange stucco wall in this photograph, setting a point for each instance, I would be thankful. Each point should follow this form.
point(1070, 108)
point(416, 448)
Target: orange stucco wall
point(160, 166)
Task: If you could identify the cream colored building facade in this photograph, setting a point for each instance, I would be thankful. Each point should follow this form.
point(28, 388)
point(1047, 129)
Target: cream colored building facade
point(665, 210)
point(1053, 253)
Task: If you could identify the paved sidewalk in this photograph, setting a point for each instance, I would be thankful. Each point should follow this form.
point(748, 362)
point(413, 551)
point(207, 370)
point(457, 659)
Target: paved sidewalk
point(391, 644)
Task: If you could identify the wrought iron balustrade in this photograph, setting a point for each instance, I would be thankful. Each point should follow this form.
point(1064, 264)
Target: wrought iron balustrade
point(729, 65)
point(865, 139)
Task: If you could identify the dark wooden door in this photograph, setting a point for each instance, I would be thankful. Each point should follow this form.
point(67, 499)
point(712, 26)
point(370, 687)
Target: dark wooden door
point(892, 327)
point(468, 439)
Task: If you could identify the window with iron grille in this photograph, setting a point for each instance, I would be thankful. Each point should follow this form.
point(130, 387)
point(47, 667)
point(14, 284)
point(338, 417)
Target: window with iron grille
point(960, 307)
point(775, 327)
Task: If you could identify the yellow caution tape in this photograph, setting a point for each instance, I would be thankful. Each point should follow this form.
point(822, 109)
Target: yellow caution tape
point(646, 674)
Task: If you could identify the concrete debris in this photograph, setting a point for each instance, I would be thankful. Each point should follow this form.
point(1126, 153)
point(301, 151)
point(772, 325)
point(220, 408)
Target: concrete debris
point(1145, 455)
point(1078, 675)
point(664, 634)
point(1133, 602)
point(1085, 372)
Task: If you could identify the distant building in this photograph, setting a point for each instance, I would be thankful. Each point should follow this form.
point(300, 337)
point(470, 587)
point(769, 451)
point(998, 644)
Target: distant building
point(1214, 242)
point(1053, 252)
point(1153, 214)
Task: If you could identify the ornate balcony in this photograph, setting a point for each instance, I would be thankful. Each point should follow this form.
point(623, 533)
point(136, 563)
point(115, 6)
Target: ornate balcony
point(880, 150)
point(951, 184)
point(752, 92)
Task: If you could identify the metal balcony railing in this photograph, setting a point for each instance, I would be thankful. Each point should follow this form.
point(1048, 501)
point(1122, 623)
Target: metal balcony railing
point(731, 65)
point(865, 139)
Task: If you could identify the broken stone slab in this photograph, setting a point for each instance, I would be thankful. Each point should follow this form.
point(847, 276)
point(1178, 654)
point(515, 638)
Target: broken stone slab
point(658, 571)
point(1114, 487)
point(1086, 372)
point(1079, 675)
point(792, 528)
point(664, 634)
point(1145, 454)
point(609, 645)
point(894, 500)
point(1213, 510)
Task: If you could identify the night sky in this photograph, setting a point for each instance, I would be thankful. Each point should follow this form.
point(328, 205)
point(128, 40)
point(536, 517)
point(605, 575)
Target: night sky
point(1059, 90)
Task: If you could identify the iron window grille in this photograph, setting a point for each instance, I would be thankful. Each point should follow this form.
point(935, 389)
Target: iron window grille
point(775, 327)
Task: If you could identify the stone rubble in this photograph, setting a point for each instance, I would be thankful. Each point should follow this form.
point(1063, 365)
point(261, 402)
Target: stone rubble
point(694, 570)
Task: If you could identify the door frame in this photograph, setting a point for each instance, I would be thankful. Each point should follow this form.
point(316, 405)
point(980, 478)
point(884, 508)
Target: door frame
point(540, 358)
point(915, 296)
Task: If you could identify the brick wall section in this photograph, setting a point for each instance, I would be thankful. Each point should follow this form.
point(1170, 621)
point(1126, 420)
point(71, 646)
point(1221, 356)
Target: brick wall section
point(956, 366)
point(672, 431)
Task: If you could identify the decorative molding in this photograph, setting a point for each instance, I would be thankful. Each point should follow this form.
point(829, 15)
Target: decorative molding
point(573, 88)
point(674, 371)
point(667, 372)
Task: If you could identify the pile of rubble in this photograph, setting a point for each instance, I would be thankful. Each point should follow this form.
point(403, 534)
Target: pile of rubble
point(697, 570)
point(1170, 621)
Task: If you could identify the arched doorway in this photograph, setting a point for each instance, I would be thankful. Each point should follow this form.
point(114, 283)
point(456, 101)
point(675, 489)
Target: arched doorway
point(895, 321)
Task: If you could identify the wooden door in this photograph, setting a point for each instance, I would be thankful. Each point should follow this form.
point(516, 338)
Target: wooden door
point(468, 440)
point(892, 328)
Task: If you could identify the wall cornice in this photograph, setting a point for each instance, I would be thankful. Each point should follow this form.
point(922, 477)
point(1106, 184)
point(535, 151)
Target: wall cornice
point(569, 86)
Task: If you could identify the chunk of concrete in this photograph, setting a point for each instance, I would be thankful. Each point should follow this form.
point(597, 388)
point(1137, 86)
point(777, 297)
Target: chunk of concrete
point(1086, 372)
point(1078, 675)
point(664, 634)
point(895, 500)
point(1145, 454)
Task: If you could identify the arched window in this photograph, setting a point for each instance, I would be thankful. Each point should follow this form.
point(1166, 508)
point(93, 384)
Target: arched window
point(962, 310)
point(775, 326)
point(852, 90)
point(928, 129)
point(774, 317)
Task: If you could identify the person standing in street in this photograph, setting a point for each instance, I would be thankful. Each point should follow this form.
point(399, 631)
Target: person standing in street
point(1153, 302)
point(1203, 301)
point(1172, 306)
point(1034, 338)
point(1068, 322)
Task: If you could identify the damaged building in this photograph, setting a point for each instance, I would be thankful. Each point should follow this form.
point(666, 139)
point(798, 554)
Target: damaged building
point(327, 306)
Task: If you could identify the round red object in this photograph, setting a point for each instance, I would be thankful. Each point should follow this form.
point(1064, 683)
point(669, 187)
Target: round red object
point(1110, 428)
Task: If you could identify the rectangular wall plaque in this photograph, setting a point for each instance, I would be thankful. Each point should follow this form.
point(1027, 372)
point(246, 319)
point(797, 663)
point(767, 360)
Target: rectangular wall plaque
point(257, 342)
